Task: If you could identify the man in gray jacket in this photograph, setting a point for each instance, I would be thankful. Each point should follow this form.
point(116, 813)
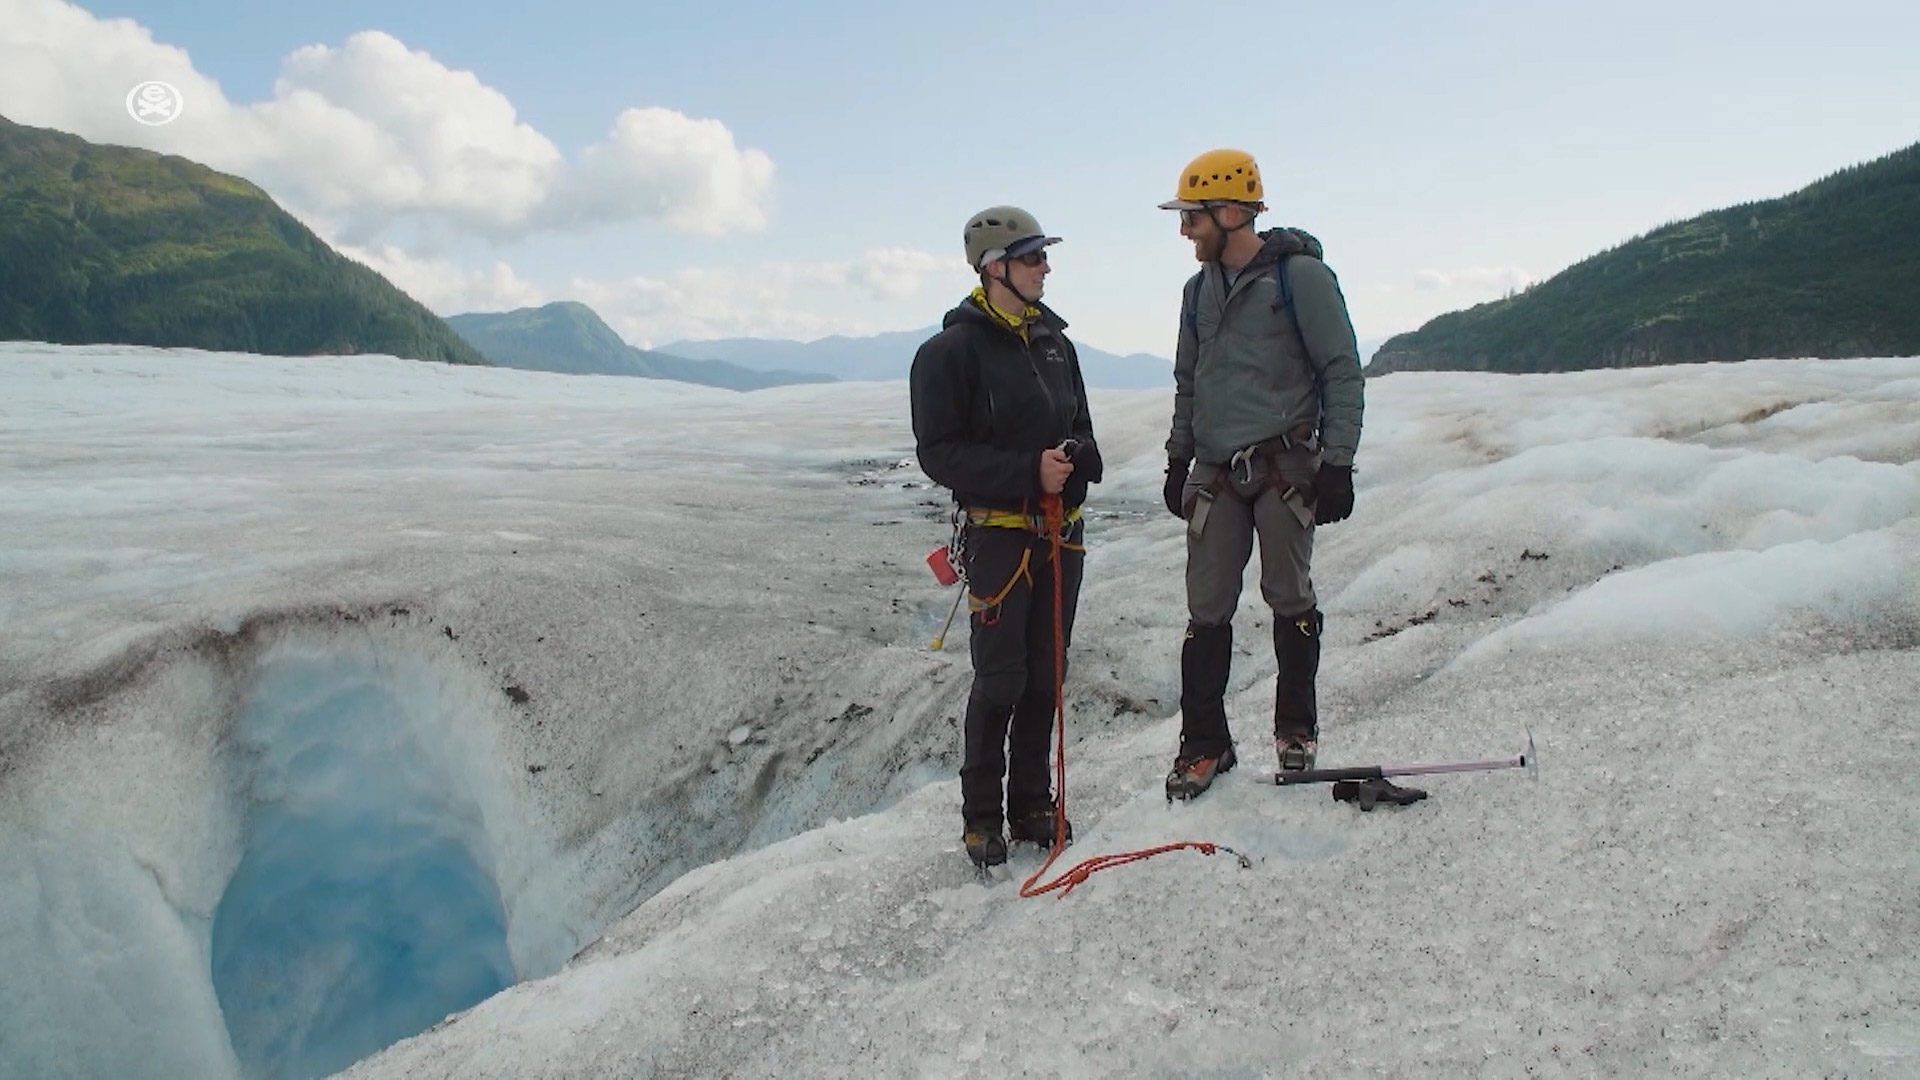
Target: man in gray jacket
point(1266, 418)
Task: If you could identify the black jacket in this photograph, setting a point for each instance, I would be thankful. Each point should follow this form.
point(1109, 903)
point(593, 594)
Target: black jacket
point(986, 403)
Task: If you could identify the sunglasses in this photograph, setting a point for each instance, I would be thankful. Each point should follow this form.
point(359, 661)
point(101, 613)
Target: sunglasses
point(1031, 258)
point(1188, 217)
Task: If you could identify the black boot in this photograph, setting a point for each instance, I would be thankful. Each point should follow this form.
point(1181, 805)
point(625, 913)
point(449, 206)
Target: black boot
point(984, 844)
point(1036, 826)
point(1192, 775)
point(1206, 656)
point(1296, 720)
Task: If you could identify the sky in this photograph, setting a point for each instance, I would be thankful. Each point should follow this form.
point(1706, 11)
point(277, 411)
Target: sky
point(624, 687)
point(780, 170)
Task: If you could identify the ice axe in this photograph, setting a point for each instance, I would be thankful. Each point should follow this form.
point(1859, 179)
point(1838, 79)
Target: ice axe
point(1363, 774)
point(940, 561)
point(940, 639)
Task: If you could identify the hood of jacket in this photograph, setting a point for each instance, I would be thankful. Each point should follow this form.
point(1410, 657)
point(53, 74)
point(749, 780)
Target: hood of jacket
point(1279, 243)
point(966, 311)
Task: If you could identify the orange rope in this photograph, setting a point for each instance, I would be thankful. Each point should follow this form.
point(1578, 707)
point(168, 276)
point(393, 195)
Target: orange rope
point(1068, 881)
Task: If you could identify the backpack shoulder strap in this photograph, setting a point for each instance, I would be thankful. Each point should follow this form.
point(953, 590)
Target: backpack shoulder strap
point(1283, 298)
point(1190, 303)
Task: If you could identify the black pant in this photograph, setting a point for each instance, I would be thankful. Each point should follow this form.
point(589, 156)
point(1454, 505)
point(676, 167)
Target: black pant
point(1009, 722)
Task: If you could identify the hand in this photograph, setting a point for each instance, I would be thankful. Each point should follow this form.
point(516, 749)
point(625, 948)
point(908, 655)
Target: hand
point(1087, 469)
point(1333, 494)
point(1055, 467)
point(1175, 491)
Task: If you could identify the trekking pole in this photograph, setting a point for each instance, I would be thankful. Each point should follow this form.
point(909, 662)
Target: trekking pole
point(1526, 759)
point(940, 639)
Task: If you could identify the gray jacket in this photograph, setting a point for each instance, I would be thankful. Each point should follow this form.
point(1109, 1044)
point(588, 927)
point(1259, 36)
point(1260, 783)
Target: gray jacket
point(1239, 374)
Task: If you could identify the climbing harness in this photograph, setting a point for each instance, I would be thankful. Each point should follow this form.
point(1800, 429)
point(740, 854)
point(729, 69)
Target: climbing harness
point(1039, 525)
point(953, 558)
point(1240, 473)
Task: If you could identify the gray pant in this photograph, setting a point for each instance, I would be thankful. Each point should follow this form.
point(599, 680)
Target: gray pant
point(1220, 536)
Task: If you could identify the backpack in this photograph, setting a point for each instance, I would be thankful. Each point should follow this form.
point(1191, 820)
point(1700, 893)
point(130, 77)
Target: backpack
point(1306, 244)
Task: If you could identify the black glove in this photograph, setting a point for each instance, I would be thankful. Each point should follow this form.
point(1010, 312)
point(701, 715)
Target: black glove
point(1371, 793)
point(1333, 494)
point(1087, 469)
point(1087, 463)
point(1175, 489)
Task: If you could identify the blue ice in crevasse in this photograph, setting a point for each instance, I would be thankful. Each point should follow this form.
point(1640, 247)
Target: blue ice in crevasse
point(360, 913)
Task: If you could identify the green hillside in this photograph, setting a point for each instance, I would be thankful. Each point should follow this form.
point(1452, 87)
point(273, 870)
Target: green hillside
point(107, 244)
point(570, 338)
point(1831, 270)
point(565, 337)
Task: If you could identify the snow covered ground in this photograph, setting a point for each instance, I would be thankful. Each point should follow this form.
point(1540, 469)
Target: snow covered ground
point(337, 693)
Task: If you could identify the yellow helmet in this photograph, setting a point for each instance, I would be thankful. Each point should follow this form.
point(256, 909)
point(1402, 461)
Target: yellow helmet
point(1218, 176)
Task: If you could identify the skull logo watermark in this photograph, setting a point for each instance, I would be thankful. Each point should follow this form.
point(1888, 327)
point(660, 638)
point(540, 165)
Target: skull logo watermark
point(154, 103)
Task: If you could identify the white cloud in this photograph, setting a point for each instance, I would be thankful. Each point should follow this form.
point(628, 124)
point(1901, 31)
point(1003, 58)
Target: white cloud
point(883, 289)
point(896, 273)
point(448, 288)
point(1503, 278)
point(360, 138)
point(650, 311)
point(657, 162)
point(408, 135)
point(62, 67)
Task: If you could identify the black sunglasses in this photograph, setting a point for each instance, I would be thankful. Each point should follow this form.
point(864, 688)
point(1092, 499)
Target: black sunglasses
point(1031, 258)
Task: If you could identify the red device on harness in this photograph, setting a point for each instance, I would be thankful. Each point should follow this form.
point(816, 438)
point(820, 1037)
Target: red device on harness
point(942, 566)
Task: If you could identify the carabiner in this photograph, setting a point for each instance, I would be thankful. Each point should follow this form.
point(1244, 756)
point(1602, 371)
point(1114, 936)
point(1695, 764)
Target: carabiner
point(1241, 464)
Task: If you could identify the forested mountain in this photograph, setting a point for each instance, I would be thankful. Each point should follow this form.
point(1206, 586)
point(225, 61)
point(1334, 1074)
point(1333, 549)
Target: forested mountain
point(109, 244)
point(1830, 270)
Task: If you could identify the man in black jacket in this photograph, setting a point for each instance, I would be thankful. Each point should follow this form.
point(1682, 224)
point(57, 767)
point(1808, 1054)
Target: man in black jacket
point(1000, 418)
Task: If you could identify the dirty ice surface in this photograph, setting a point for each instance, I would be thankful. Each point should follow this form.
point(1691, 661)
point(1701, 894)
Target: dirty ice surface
point(339, 694)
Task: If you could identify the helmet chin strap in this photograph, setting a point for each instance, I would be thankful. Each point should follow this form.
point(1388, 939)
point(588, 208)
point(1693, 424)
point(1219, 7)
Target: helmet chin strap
point(1007, 281)
point(1220, 247)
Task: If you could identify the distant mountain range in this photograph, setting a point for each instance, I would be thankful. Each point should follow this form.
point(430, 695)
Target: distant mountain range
point(567, 337)
point(890, 356)
point(1831, 270)
point(571, 338)
point(108, 244)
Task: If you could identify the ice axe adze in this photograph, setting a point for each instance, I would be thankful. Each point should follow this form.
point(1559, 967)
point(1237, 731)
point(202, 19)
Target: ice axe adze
point(1357, 778)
